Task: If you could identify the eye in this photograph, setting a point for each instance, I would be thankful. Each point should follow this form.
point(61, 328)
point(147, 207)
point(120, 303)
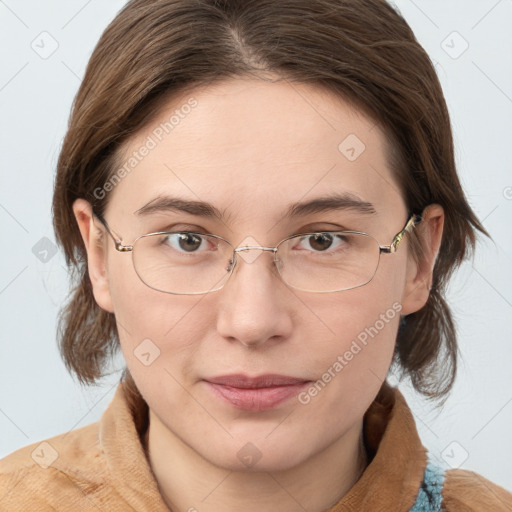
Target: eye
point(320, 242)
point(187, 242)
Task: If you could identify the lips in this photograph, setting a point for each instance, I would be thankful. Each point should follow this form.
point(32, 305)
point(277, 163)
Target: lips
point(255, 393)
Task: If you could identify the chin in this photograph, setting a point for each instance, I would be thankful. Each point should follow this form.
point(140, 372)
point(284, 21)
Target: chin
point(257, 457)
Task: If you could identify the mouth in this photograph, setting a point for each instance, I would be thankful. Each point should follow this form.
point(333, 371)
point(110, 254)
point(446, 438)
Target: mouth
point(255, 393)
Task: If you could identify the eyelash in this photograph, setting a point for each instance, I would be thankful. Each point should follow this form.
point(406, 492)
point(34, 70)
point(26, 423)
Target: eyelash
point(201, 231)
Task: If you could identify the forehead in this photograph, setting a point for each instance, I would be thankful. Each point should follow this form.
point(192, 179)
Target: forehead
point(254, 147)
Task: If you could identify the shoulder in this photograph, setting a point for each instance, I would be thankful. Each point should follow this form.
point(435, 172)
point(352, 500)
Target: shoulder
point(70, 463)
point(466, 491)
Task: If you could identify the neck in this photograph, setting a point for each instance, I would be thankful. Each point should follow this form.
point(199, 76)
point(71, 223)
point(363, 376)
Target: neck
point(189, 482)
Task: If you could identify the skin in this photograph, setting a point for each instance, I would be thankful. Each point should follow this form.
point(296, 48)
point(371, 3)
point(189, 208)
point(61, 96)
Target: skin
point(251, 148)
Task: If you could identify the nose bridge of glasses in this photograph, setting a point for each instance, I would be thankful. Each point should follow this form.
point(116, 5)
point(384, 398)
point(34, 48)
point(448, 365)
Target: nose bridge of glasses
point(245, 253)
point(255, 247)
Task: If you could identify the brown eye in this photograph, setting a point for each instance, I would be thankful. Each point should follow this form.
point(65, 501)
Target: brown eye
point(184, 242)
point(320, 241)
point(189, 242)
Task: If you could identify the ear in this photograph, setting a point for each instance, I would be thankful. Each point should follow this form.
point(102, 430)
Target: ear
point(419, 273)
point(96, 247)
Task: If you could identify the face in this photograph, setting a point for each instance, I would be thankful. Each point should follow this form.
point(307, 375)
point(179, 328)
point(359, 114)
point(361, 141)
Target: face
point(251, 149)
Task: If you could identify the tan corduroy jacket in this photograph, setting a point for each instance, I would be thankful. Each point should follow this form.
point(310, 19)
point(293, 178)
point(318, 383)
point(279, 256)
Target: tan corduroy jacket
point(103, 467)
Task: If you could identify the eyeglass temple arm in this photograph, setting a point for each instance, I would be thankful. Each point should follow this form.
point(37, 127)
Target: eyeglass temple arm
point(413, 221)
point(115, 237)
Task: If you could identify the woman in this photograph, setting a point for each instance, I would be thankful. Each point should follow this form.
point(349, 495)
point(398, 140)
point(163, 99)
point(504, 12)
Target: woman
point(269, 169)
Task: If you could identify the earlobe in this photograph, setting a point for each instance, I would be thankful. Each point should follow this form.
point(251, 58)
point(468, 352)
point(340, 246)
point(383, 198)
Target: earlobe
point(96, 253)
point(420, 273)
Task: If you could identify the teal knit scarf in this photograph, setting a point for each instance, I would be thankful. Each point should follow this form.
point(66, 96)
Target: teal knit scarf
point(429, 495)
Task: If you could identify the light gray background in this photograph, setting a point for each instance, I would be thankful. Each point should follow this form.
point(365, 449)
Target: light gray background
point(38, 399)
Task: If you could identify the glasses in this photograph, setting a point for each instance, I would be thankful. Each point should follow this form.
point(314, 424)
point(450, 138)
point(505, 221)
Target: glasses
point(191, 263)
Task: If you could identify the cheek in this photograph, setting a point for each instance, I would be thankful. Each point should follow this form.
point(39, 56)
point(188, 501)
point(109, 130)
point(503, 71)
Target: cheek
point(351, 365)
point(153, 326)
point(357, 350)
point(362, 327)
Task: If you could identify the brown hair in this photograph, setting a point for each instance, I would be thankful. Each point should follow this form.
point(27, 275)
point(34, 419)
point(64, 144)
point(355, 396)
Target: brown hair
point(362, 50)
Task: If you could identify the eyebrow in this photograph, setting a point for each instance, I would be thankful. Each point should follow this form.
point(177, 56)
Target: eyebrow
point(167, 203)
point(332, 202)
point(345, 201)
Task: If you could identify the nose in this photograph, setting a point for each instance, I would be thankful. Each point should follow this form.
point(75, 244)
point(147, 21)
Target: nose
point(254, 308)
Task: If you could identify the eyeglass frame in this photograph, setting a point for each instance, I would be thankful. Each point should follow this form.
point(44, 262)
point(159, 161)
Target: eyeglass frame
point(413, 220)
